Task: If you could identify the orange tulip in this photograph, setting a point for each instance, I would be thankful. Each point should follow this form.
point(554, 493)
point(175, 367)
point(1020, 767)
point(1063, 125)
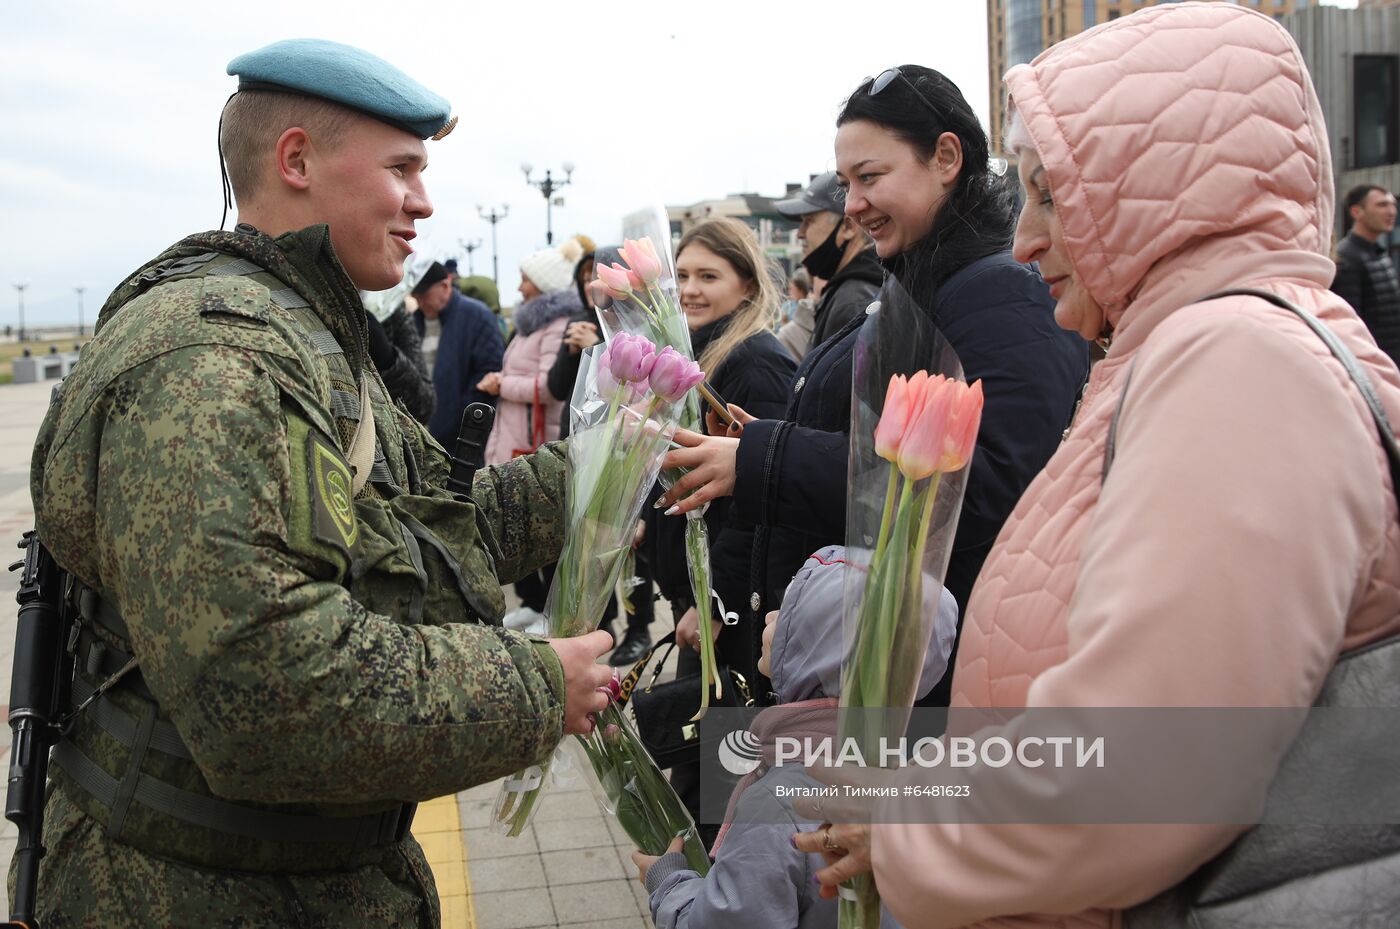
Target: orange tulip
point(961, 436)
point(922, 444)
point(893, 418)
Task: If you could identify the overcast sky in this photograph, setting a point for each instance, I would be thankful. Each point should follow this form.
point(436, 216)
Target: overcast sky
point(110, 110)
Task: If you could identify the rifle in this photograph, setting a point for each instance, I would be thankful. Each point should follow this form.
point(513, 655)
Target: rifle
point(470, 451)
point(39, 693)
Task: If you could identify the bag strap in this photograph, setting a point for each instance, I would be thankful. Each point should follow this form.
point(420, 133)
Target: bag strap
point(1358, 376)
point(629, 683)
point(537, 417)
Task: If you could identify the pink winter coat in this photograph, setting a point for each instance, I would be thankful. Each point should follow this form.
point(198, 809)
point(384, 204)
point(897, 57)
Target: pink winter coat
point(524, 369)
point(1247, 534)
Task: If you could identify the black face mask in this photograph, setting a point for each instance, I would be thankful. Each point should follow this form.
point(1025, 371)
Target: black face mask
point(825, 259)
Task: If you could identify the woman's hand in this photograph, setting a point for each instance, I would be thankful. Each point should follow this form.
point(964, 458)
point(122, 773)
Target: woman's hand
point(490, 384)
point(711, 460)
point(644, 861)
point(688, 629)
point(716, 426)
point(581, 335)
point(846, 849)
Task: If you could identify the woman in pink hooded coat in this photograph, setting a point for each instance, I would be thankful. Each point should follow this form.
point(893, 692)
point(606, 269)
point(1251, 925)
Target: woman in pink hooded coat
point(1248, 534)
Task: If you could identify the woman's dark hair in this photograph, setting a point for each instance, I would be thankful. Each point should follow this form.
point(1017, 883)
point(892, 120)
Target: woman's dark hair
point(978, 216)
point(583, 273)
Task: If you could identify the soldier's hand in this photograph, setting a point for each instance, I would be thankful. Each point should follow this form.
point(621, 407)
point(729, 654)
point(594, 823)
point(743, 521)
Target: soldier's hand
point(583, 678)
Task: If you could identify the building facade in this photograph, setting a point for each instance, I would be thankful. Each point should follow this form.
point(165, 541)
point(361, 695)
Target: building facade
point(1354, 57)
point(1018, 30)
point(777, 235)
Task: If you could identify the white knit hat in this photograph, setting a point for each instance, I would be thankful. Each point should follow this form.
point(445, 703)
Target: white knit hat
point(552, 269)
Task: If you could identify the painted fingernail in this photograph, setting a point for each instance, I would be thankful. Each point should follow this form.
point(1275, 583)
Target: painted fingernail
point(675, 508)
point(816, 881)
point(658, 504)
point(792, 840)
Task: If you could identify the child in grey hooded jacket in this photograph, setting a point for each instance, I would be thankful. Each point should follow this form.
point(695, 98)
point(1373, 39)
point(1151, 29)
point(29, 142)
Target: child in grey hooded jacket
point(759, 879)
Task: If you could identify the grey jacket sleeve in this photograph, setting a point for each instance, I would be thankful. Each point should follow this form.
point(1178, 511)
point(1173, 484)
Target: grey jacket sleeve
point(759, 881)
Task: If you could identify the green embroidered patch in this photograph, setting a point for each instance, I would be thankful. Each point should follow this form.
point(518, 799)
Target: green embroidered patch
point(332, 494)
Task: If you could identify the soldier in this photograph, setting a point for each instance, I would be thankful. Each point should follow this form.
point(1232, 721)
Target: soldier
point(291, 627)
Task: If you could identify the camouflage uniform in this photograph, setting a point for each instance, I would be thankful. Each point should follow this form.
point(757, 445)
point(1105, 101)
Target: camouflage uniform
point(301, 654)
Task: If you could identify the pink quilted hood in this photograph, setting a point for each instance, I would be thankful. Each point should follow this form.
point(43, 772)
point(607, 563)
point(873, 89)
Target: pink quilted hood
point(1228, 148)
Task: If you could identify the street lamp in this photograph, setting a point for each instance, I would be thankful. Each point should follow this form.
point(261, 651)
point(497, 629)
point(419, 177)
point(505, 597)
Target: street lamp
point(493, 217)
point(79, 291)
point(547, 187)
point(20, 288)
point(469, 247)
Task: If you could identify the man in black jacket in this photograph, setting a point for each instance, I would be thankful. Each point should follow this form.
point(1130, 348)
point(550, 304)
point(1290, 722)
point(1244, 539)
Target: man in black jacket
point(1366, 276)
point(838, 251)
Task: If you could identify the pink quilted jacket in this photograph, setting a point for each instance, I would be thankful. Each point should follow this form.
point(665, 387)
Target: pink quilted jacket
point(1247, 534)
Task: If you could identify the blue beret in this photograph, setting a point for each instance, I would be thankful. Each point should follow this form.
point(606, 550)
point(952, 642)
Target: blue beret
point(349, 76)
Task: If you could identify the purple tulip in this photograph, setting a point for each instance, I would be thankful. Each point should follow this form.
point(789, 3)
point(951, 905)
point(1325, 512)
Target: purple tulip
point(630, 357)
point(610, 389)
point(673, 374)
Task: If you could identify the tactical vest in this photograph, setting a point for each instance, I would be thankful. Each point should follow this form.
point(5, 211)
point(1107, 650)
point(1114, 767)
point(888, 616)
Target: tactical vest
point(124, 763)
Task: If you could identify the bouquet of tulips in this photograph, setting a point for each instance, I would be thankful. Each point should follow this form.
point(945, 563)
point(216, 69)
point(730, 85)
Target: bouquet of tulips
point(632, 787)
point(912, 436)
point(639, 296)
point(623, 414)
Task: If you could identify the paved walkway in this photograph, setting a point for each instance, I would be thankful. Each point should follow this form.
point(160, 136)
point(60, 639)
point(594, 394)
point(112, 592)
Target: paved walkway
point(571, 868)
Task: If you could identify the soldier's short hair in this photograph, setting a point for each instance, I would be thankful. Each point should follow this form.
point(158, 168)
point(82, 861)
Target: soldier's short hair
point(254, 120)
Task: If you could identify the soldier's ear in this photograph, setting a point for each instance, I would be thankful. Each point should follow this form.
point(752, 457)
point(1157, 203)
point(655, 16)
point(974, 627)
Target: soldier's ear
point(292, 149)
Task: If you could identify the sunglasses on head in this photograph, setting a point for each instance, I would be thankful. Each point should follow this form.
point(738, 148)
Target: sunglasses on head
point(885, 78)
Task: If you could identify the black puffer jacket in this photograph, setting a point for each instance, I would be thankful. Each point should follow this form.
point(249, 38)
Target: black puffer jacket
point(564, 374)
point(847, 295)
point(407, 378)
point(791, 474)
point(1366, 278)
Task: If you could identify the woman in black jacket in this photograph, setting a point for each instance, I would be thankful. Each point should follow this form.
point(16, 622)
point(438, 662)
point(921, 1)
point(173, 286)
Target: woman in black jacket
point(730, 301)
point(915, 162)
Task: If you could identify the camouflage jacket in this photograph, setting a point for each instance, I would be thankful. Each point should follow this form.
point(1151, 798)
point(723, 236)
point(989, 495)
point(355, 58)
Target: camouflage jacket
point(314, 653)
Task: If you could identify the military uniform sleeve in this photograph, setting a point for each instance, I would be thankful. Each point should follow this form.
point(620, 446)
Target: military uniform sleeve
point(284, 687)
point(522, 502)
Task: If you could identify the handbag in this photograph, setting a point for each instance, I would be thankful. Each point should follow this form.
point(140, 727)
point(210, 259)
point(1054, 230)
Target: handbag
point(536, 418)
point(1301, 876)
point(663, 712)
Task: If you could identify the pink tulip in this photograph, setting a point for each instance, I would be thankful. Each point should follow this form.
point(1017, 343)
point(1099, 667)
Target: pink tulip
point(630, 357)
point(961, 436)
point(673, 374)
point(641, 257)
point(615, 279)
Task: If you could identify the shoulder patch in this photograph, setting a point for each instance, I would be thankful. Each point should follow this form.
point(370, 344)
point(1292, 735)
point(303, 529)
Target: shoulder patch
point(332, 500)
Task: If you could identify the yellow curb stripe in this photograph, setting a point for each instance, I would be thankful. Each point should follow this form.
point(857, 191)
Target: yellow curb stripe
point(467, 872)
point(439, 830)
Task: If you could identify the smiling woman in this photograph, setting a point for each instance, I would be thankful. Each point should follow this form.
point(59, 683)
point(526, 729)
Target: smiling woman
point(730, 300)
